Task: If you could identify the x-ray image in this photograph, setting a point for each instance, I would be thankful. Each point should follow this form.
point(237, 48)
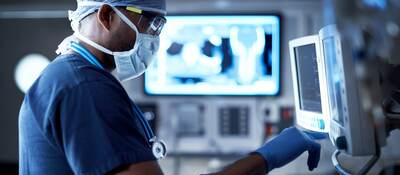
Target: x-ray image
point(217, 55)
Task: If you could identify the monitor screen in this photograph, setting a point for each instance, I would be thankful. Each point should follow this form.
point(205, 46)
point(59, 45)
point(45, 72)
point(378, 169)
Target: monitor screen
point(217, 55)
point(307, 76)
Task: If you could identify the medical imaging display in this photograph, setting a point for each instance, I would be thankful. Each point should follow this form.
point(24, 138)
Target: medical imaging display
point(333, 80)
point(217, 55)
point(307, 75)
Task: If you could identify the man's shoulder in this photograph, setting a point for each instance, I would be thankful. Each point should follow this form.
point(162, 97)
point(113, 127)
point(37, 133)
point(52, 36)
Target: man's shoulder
point(68, 74)
point(69, 70)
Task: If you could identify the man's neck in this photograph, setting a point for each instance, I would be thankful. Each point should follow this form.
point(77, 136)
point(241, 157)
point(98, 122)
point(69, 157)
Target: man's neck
point(105, 60)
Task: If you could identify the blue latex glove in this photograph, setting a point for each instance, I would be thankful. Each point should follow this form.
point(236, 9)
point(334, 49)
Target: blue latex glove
point(287, 146)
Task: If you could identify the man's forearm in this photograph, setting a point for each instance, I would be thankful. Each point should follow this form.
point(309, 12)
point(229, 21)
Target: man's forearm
point(251, 165)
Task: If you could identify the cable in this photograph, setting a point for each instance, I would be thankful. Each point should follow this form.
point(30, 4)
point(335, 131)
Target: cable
point(337, 165)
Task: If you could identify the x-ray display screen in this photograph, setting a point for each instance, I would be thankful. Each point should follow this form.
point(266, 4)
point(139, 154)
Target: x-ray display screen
point(333, 80)
point(307, 76)
point(217, 55)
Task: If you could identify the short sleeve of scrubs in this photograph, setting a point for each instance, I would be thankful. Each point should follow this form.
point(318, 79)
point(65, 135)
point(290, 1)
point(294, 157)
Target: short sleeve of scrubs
point(97, 129)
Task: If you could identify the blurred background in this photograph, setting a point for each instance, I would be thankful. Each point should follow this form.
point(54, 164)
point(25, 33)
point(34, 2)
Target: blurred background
point(205, 123)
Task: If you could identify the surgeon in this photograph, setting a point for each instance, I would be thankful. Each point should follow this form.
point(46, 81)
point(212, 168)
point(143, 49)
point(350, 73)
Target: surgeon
point(78, 119)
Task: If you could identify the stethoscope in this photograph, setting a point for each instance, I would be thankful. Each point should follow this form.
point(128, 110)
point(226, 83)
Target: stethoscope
point(157, 146)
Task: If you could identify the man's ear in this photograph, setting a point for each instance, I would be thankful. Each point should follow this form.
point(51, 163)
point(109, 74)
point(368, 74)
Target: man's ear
point(105, 16)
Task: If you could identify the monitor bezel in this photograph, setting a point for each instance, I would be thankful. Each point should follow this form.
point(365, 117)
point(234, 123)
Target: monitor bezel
point(279, 85)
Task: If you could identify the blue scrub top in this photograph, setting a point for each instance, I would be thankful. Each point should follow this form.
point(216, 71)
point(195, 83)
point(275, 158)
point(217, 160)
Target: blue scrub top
point(77, 119)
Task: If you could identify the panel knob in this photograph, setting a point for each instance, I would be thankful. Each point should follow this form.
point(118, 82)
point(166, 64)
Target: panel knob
point(341, 142)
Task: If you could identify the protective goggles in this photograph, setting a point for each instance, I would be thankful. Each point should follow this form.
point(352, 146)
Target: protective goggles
point(153, 23)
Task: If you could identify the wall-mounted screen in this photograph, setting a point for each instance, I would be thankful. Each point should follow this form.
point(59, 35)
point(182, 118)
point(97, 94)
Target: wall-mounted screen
point(217, 55)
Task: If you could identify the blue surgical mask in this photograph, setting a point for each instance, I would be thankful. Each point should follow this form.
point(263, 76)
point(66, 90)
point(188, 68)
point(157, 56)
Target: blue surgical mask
point(133, 63)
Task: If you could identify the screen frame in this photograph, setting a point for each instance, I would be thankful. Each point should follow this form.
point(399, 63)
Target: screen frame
point(279, 84)
point(306, 115)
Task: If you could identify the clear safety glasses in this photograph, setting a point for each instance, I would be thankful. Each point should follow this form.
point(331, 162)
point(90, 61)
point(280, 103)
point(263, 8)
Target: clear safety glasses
point(153, 23)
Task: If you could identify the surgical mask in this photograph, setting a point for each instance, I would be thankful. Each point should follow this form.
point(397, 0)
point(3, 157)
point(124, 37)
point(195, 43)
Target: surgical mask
point(133, 63)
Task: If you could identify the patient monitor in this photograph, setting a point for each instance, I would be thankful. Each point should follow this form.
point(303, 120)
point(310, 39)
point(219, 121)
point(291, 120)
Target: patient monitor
point(310, 96)
point(327, 97)
point(351, 130)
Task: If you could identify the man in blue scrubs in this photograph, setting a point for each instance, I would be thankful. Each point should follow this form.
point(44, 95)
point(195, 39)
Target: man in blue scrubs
point(77, 118)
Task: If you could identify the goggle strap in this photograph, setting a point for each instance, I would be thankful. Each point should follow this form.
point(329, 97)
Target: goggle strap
point(134, 9)
point(125, 19)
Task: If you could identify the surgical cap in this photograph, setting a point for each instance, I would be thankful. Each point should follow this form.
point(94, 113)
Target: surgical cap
point(87, 7)
point(156, 6)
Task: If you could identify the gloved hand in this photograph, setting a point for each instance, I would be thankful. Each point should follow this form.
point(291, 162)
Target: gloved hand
point(287, 146)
